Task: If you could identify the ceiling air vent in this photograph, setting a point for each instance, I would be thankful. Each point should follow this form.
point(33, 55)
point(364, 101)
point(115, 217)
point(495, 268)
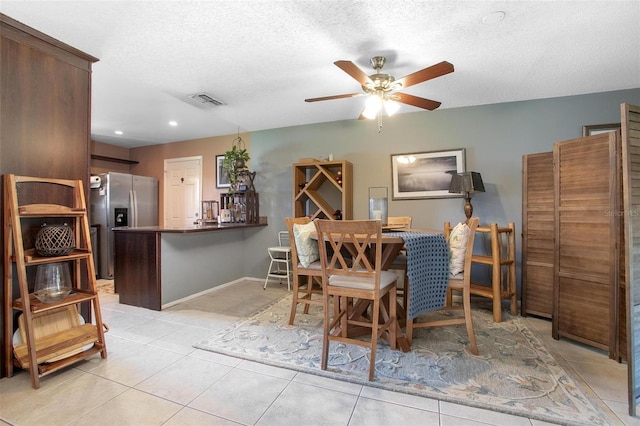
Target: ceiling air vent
point(204, 100)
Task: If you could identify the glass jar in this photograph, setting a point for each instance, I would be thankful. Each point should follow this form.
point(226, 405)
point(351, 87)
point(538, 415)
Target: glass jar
point(53, 282)
point(378, 204)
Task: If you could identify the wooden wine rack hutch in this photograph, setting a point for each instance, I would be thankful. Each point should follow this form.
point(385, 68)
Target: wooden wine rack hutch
point(52, 335)
point(323, 189)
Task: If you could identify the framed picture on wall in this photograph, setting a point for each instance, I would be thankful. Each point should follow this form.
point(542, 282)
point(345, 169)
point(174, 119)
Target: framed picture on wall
point(596, 129)
point(222, 178)
point(421, 175)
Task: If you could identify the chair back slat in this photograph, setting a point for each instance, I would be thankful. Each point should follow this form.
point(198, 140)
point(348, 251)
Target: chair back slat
point(356, 247)
point(399, 221)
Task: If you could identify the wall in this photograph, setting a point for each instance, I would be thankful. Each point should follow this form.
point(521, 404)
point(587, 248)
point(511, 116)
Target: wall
point(151, 161)
point(495, 138)
point(111, 151)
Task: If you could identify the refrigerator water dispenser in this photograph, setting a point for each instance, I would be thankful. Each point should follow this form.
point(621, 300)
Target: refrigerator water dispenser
point(122, 217)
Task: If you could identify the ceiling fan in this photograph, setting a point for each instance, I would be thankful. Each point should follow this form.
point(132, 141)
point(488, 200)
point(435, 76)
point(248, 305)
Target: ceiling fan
point(383, 88)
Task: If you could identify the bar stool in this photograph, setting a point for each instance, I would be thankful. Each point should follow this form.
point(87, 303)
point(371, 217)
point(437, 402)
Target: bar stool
point(280, 265)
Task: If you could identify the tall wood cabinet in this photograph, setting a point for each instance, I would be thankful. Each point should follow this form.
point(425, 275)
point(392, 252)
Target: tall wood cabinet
point(45, 93)
point(322, 188)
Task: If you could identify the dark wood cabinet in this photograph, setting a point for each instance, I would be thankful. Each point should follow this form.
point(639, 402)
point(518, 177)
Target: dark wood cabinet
point(137, 274)
point(45, 93)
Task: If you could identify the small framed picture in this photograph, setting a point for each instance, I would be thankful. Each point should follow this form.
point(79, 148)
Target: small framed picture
point(222, 178)
point(596, 129)
point(425, 174)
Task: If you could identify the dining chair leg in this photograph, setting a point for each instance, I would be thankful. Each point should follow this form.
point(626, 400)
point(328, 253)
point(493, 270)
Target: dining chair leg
point(405, 291)
point(345, 312)
point(375, 331)
point(326, 330)
point(294, 302)
point(473, 347)
point(409, 330)
point(308, 296)
point(393, 325)
point(449, 298)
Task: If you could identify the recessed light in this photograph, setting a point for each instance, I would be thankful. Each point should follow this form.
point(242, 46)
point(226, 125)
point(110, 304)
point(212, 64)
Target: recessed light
point(173, 123)
point(493, 17)
point(118, 132)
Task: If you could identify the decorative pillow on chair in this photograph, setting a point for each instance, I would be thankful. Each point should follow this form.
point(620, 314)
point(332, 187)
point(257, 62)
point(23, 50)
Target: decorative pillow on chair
point(306, 246)
point(457, 248)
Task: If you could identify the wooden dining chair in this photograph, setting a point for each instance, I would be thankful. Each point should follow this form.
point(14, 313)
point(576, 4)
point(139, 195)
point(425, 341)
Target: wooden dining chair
point(355, 280)
point(400, 262)
point(461, 281)
point(303, 292)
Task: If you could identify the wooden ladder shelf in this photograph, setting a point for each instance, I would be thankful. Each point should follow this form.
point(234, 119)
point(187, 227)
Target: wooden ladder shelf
point(502, 259)
point(53, 335)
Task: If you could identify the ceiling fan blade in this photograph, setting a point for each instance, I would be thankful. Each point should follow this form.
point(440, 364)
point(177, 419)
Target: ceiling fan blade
point(416, 101)
point(353, 70)
point(433, 71)
point(328, 98)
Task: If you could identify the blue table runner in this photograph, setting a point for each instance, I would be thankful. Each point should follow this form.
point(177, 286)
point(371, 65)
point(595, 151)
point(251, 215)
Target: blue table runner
point(427, 269)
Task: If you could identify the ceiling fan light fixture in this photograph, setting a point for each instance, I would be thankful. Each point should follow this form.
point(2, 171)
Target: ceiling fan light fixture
point(381, 88)
point(391, 107)
point(372, 106)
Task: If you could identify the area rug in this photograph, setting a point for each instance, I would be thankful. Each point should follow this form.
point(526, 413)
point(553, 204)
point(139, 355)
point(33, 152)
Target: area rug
point(514, 373)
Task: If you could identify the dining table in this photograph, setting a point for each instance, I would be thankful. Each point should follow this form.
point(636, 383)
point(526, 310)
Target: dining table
point(427, 269)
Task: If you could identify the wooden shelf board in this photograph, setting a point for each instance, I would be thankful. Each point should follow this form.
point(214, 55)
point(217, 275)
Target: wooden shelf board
point(49, 210)
point(37, 306)
point(113, 159)
point(55, 345)
point(32, 258)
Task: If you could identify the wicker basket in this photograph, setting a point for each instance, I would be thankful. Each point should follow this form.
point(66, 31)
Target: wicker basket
point(55, 240)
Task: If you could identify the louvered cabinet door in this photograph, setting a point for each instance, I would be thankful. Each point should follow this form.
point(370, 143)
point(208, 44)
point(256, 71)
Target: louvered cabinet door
point(537, 234)
point(586, 234)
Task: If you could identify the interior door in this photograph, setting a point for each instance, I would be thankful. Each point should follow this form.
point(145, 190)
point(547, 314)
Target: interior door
point(182, 191)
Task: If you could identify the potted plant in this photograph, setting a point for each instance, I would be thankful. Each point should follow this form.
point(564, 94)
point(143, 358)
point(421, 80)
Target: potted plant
point(234, 161)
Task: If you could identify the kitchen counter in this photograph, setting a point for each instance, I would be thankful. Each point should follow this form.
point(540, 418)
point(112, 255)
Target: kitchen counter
point(189, 229)
point(158, 266)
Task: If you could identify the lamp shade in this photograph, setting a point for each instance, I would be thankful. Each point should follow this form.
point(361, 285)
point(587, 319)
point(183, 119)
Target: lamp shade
point(469, 182)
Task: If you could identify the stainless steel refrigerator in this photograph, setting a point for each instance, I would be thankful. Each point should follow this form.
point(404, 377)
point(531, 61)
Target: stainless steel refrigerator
point(120, 199)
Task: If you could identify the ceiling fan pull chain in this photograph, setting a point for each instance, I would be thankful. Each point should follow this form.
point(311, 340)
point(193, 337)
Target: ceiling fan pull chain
point(380, 121)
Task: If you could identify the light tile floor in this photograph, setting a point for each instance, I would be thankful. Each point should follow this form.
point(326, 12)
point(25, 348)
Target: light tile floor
point(153, 376)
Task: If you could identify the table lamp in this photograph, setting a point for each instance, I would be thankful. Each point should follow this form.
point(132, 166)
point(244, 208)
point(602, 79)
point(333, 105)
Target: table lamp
point(466, 183)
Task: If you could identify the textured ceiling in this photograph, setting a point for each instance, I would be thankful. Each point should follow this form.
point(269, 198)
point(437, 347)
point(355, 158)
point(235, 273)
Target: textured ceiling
point(263, 58)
